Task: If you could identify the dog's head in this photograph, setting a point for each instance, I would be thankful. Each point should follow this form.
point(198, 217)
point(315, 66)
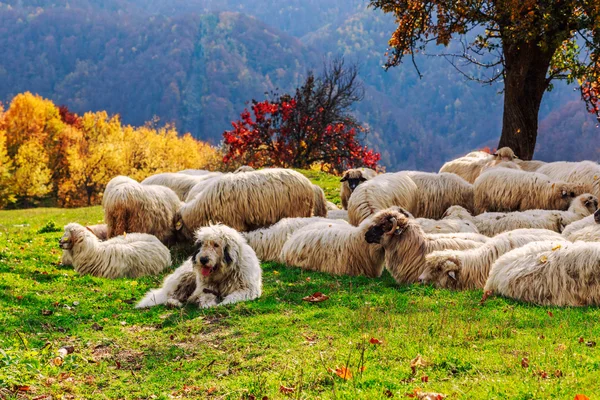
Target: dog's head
point(354, 177)
point(74, 234)
point(386, 224)
point(217, 251)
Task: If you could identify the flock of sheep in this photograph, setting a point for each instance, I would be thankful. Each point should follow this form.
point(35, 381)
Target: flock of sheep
point(528, 230)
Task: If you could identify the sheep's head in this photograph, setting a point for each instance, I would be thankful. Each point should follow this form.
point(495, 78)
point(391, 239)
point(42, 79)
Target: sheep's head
point(441, 270)
point(182, 232)
point(585, 205)
point(505, 154)
point(386, 224)
point(565, 192)
point(74, 234)
point(457, 212)
point(354, 177)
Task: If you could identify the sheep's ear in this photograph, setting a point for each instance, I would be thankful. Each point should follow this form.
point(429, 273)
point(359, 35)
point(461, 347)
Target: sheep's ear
point(178, 222)
point(344, 178)
point(362, 178)
point(452, 275)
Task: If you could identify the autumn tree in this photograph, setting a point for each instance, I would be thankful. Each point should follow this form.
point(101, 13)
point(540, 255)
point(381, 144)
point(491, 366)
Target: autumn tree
point(315, 125)
point(6, 191)
point(526, 44)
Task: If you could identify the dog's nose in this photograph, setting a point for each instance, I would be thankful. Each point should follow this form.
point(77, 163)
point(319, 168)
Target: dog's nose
point(203, 260)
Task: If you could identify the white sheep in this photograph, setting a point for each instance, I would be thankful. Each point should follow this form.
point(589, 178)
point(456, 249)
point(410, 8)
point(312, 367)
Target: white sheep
point(351, 179)
point(531, 165)
point(320, 207)
point(248, 201)
point(205, 181)
point(586, 173)
point(586, 229)
point(268, 242)
point(381, 192)
point(338, 215)
point(128, 256)
point(406, 245)
point(469, 167)
point(503, 189)
point(181, 184)
point(131, 207)
point(469, 269)
point(549, 273)
point(436, 192)
point(194, 172)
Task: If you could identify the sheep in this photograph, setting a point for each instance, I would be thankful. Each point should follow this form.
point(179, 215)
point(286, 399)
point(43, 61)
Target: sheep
point(332, 206)
point(530, 166)
point(100, 230)
point(436, 192)
point(500, 164)
point(131, 207)
point(586, 229)
point(379, 193)
point(335, 248)
point(131, 256)
point(446, 225)
point(338, 215)
point(244, 168)
point(584, 172)
point(206, 181)
point(248, 201)
point(502, 189)
point(320, 205)
point(405, 244)
point(469, 269)
point(193, 172)
point(351, 179)
point(493, 223)
point(469, 167)
point(549, 273)
point(181, 184)
point(470, 236)
point(268, 242)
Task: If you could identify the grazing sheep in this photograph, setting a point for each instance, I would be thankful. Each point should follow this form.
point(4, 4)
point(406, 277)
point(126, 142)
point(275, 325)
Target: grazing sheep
point(586, 229)
point(223, 270)
point(128, 256)
point(549, 273)
point(350, 181)
point(493, 223)
point(131, 207)
point(268, 242)
point(320, 206)
point(335, 248)
point(248, 201)
point(502, 189)
point(338, 214)
point(244, 168)
point(469, 269)
point(381, 192)
point(205, 181)
point(436, 192)
point(405, 243)
point(586, 173)
point(181, 184)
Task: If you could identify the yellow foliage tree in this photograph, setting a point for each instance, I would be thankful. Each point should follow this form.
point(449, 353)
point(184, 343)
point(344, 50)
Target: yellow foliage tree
point(32, 175)
point(6, 190)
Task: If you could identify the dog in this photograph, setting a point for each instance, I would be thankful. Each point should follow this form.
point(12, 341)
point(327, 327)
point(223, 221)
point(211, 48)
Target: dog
point(223, 270)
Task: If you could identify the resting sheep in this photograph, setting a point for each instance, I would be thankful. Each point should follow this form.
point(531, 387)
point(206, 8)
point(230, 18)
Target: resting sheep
point(587, 229)
point(320, 206)
point(502, 189)
point(243, 168)
point(350, 181)
point(436, 192)
point(181, 184)
point(131, 207)
point(549, 273)
point(405, 244)
point(268, 242)
point(248, 201)
point(129, 256)
point(469, 167)
point(469, 269)
point(204, 181)
point(494, 223)
point(381, 192)
point(586, 173)
point(338, 214)
point(193, 172)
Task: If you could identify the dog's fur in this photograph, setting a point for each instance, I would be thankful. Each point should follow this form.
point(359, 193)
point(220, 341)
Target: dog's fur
point(222, 270)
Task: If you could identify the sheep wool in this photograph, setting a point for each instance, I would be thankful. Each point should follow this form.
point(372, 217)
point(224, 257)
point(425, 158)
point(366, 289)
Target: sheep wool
point(436, 192)
point(131, 207)
point(549, 273)
point(130, 256)
point(381, 192)
point(586, 173)
point(180, 183)
point(503, 189)
point(249, 200)
point(320, 207)
point(469, 269)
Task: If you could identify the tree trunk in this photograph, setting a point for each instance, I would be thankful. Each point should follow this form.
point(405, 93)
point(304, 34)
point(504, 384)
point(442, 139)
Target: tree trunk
point(525, 83)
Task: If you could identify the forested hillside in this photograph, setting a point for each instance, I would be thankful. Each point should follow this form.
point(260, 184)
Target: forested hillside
point(196, 63)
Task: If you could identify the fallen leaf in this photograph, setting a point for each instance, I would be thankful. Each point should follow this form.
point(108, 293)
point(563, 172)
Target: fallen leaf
point(543, 259)
point(375, 341)
point(316, 297)
point(425, 379)
point(590, 344)
point(363, 368)
point(558, 373)
point(47, 312)
point(286, 390)
point(97, 327)
point(388, 393)
point(343, 373)
point(525, 362)
point(558, 246)
point(308, 279)
point(543, 374)
point(275, 272)
point(63, 351)
point(19, 297)
point(23, 388)
point(57, 361)
point(580, 339)
point(211, 390)
point(561, 347)
point(550, 314)
point(485, 296)
point(581, 397)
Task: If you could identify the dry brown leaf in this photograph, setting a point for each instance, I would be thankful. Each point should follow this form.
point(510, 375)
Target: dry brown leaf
point(375, 341)
point(286, 390)
point(543, 259)
point(57, 361)
point(558, 246)
point(388, 393)
point(485, 296)
point(525, 362)
point(343, 373)
point(581, 397)
point(211, 390)
point(316, 297)
point(424, 379)
point(561, 347)
point(550, 314)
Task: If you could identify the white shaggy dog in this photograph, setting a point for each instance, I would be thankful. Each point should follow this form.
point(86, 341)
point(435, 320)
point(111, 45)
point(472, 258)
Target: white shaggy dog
point(132, 255)
point(222, 270)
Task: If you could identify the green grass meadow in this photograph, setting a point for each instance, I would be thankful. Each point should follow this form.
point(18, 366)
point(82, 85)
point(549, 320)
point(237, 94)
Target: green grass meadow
point(254, 350)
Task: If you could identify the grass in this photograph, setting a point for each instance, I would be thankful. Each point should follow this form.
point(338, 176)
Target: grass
point(501, 350)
